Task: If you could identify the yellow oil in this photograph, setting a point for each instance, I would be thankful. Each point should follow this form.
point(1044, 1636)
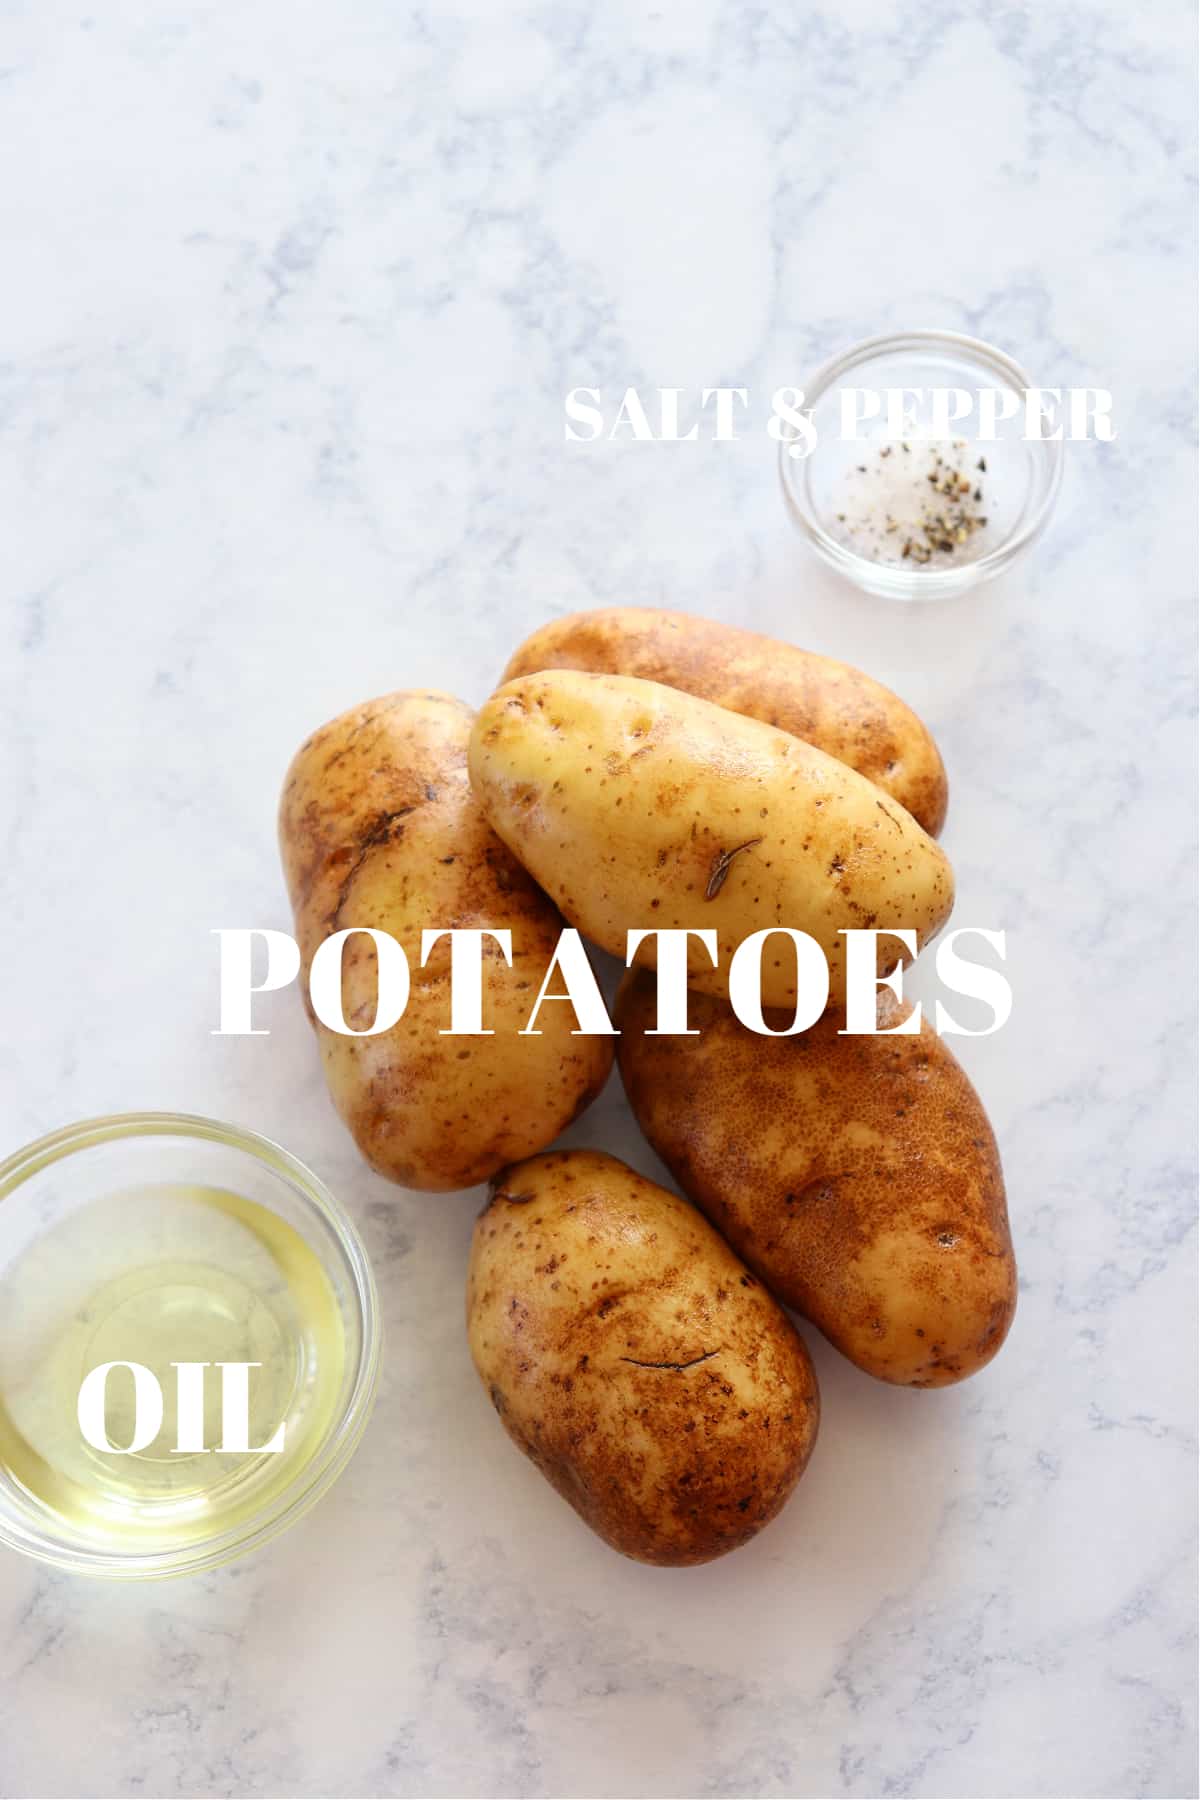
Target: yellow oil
point(159, 1275)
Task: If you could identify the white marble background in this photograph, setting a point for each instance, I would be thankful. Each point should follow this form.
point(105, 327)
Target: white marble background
point(290, 298)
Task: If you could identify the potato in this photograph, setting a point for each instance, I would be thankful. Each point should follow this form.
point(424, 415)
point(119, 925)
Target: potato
point(857, 1175)
point(647, 1373)
point(829, 704)
point(378, 827)
point(637, 806)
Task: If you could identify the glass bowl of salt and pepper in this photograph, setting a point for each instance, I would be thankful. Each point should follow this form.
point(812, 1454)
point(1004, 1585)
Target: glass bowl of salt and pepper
point(907, 501)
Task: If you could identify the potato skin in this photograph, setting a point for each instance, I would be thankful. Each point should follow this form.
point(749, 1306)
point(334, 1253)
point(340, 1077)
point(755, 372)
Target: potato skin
point(651, 1378)
point(637, 806)
point(859, 1176)
point(378, 827)
point(827, 703)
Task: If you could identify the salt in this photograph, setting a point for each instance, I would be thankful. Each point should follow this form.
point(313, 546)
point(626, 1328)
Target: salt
point(913, 502)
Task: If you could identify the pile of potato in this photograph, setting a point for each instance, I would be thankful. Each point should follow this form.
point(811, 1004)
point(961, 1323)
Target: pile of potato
point(645, 768)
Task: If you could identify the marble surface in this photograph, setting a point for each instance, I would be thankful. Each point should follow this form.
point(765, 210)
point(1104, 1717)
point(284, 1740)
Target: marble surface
point(291, 298)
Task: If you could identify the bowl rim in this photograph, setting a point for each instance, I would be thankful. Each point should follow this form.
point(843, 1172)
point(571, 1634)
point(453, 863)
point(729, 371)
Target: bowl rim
point(317, 1476)
point(912, 583)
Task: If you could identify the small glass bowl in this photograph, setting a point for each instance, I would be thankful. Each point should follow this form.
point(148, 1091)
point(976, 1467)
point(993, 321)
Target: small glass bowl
point(1022, 479)
point(45, 1184)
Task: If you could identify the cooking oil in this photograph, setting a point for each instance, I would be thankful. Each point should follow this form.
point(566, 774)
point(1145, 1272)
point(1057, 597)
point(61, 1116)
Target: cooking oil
point(161, 1275)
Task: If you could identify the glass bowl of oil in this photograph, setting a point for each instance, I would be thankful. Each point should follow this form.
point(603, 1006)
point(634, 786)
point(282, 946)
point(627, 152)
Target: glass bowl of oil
point(189, 1344)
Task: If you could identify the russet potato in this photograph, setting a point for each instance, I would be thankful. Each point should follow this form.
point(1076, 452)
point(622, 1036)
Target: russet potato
point(859, 1176)
point(829, 704)
point(644, 1370)
point(378, 827)
point(636, 806)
